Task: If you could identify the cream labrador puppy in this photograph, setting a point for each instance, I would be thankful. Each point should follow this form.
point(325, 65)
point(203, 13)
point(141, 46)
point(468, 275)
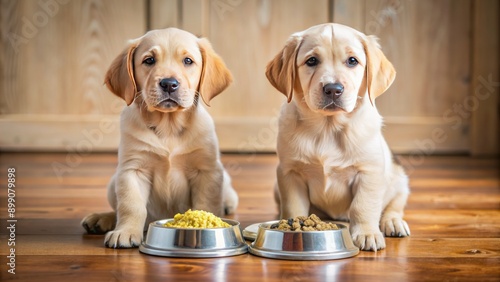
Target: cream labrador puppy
point(168, 158)
point(333, 159)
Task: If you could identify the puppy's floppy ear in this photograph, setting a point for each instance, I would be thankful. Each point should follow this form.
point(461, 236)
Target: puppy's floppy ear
point(120, 75)
point(281, 71)
point(215, 76)
point(379, 71)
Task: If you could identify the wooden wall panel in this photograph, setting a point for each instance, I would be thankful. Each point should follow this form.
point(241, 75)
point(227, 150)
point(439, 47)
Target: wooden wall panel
point(54, 55)
point(429, 44)
point(349, 12)
point(164, 13)
point(484, 98)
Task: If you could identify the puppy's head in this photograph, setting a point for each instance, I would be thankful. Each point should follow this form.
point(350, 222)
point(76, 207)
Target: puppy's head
point(330, 67)
point(168, 69)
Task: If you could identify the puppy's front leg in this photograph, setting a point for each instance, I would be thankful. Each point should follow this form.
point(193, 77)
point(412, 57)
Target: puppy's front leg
point(365, 212)
point(294, 196)
point(132, 191)
point(206, 191)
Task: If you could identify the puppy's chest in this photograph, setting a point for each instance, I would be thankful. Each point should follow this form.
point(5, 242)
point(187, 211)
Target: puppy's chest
point(329, 174)
point(171, 178)
point(327, 162)
point(327, 150)
point(171, 144)
point(330, 186)
point(174, 146)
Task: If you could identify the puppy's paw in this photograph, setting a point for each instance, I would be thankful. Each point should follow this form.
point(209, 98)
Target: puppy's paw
point(367, 238)
point(99, 223)
point(123, 238)
point(394, 227)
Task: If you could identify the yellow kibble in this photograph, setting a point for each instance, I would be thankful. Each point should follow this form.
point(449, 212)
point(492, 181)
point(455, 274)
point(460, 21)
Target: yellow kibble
point(196, 219)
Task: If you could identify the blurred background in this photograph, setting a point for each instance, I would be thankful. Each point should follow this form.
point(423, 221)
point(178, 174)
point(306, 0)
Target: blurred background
point(54, 54)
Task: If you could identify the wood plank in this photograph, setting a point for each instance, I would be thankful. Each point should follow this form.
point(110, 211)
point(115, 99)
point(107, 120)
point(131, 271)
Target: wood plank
point(67, 47)
point(64, 49)
point(423, 136)
point(141, 267)
point(163, 14)
point(68, 245)
point(350, 13)
point(441, 200)
point(195, 16)
point(436, 31)
point(101, 134)
point(409, 126)
point(483, 101)
point(431, 32)
point(73, 134)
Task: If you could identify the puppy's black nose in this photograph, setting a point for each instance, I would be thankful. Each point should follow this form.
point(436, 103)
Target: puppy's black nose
point(333, 89)
point(169, 84)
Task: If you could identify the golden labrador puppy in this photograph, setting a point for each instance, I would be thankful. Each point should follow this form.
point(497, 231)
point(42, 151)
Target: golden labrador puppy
point(333, 159)
point(168, 158)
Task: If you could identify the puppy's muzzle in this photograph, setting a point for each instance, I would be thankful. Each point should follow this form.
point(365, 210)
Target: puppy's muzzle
point(169, 85)
point(333, 90)
point(170, 96)
point(332, 93)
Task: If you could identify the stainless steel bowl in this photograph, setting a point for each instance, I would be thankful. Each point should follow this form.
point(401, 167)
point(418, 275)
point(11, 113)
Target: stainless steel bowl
point(193, 242)
point(250, 232)
point(305, 245)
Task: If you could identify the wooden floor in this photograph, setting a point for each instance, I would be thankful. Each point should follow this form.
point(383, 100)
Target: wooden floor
point(453, 213)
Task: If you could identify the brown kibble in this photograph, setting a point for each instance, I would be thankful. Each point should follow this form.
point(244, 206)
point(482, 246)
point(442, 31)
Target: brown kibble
point(284, 227)
point(308, 228)
point(320, 226)
point(315, 218)
point(304, 223)
point(302, 217)
point(309, 222)
point(332, 226)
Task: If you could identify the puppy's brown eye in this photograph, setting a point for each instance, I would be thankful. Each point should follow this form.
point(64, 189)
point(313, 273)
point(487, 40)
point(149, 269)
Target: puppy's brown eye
point(188, 61)
point(351, 62)
point(149, 61)
point(311, 62)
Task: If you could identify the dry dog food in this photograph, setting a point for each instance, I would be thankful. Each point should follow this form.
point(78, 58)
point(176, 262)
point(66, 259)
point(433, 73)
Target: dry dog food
point(304, 223)
point(196, 219)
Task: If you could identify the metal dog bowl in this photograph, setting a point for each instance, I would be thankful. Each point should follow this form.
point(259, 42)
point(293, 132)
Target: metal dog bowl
point(250, 232)
point(193, 242)
point(303, 245)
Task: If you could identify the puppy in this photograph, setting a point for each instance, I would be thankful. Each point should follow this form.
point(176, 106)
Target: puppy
point(333, 159)
point(168, 158)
